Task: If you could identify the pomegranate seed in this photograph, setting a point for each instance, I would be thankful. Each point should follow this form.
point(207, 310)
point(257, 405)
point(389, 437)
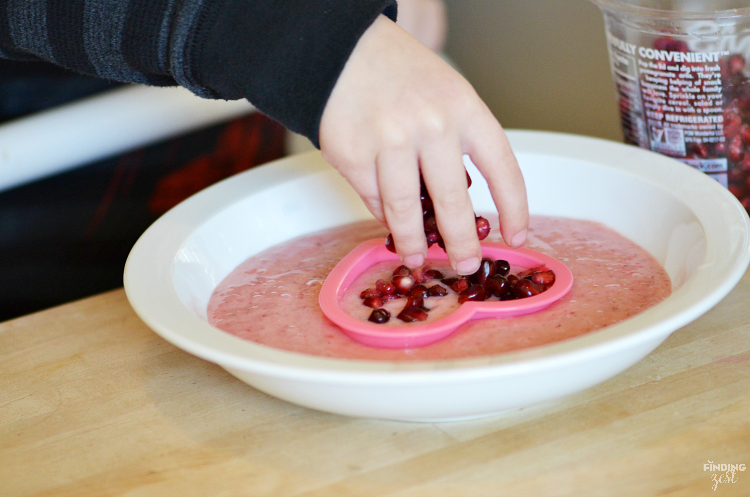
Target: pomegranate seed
point(543, 278)
point(449, 282)
point(736, 64)
point(389, 297)
point(483, 227)
point(379, 316)
point(736, 149)
point(401, 271)
point(430, 223)
point(412, 314)
point(402, 283)
point(460, 285)
point(498, 285)
point(385, 287)
point(732, 124)
point(525, 288)
point(502, 267)
point(433, 238)
point(513, 279)
point(530, 271)
point(369, 292)
point(486, 269)
point(701, 150)
point(418, 274)
point(745, 133)
point(437, 291)
point(735, 175)
point(732, 107)
point(415, 300)
point(389, 244)
point(427, 206)
point(433, 274)
point(373, 301)
point(419, 290)
point(473, 293)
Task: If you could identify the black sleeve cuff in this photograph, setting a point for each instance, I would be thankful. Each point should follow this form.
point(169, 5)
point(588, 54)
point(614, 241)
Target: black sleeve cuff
point(284, 57)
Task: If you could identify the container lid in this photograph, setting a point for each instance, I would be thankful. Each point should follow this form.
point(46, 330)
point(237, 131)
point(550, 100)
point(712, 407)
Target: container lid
point(678, 9)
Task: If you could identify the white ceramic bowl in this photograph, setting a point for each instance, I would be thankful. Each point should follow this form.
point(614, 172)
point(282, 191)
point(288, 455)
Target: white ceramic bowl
point(692, 225)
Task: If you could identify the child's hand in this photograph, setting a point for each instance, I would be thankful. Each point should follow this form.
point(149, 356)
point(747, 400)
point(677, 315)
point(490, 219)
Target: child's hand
point(398, 109)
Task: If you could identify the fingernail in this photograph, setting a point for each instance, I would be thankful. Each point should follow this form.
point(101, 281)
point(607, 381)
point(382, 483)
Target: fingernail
point(469, 266)
point(415, 260)
point(519, 239)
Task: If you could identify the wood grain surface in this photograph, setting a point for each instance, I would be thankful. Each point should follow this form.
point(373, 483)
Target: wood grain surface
point(93, 403)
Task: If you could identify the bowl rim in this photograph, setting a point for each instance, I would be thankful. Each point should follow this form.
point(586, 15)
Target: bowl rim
point(148, 275)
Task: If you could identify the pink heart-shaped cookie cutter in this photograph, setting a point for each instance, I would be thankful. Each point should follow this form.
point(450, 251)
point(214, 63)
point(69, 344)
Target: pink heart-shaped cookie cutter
point(419, 334)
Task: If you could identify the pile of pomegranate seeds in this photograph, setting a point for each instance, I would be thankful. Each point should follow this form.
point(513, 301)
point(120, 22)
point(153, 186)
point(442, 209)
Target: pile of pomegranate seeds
point(431, 232)
point(491, 281)
point(736, 128)
point(735, 98)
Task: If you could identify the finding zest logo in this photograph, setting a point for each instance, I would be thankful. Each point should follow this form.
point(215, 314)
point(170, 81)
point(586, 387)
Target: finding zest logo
point(723, 473)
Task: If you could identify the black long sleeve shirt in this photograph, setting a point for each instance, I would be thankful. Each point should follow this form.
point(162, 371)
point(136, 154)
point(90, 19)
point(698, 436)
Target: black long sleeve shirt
point(284, 56)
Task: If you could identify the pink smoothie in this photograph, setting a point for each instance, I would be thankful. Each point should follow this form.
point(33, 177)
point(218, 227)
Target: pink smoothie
point(272, 298)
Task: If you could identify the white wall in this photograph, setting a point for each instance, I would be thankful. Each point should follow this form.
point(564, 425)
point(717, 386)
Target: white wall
point(539, 64)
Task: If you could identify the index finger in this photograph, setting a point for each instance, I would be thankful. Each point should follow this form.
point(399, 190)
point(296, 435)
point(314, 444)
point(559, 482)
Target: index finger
point(488, 146)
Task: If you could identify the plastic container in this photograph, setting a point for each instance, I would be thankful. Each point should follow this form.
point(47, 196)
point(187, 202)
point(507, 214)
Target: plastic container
point(681, 80)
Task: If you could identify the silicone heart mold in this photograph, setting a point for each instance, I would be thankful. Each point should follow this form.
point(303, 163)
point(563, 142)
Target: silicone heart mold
point(419, 334)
